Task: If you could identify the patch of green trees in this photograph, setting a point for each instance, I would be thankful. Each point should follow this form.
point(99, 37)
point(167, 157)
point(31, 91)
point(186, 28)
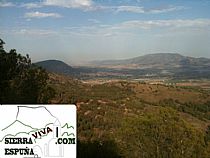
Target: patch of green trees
point(21, 81)
point(161, 134)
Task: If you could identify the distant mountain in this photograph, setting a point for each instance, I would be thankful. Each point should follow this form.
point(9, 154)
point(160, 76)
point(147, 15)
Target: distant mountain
point(160, 60)
point(56, 66)
point(151, 65)
point(161, 64)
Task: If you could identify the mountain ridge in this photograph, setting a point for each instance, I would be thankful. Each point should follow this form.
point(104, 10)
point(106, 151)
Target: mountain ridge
point(152, 59)
point(162, 64)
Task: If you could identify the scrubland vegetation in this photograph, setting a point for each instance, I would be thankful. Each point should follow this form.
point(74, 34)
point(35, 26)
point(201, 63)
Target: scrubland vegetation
point(139, 120)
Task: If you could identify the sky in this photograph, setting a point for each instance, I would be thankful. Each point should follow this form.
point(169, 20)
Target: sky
point(77, 31)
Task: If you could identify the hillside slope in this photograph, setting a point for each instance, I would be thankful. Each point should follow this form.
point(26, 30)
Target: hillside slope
point(118, 116)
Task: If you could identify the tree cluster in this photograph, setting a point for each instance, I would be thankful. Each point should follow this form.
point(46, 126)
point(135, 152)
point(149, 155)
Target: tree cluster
point(21, 81)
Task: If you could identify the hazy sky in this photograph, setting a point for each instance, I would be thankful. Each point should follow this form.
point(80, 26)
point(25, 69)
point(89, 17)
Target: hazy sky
point(81, 30)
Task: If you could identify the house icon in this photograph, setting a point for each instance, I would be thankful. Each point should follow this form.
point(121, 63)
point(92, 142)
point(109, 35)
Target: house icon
point(52, 149)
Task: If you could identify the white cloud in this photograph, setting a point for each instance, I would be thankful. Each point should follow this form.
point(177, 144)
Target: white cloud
point(90, 5)
point(177, 23)
point(127, 28)
point(28, 32)
point(69, 3)
point(95, 21)
point(130, 28)
point(134, 9)
point(79, 4)
point(31, 5)
point(165, 10)
point(35, 32)
point(42, 15)
point(141, 10)
point(6, 4)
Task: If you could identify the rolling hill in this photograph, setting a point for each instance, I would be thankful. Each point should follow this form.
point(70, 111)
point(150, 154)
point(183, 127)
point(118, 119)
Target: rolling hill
point(59, 67)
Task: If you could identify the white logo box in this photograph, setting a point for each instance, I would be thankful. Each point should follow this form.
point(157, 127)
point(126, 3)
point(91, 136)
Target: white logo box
point(38, 131)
